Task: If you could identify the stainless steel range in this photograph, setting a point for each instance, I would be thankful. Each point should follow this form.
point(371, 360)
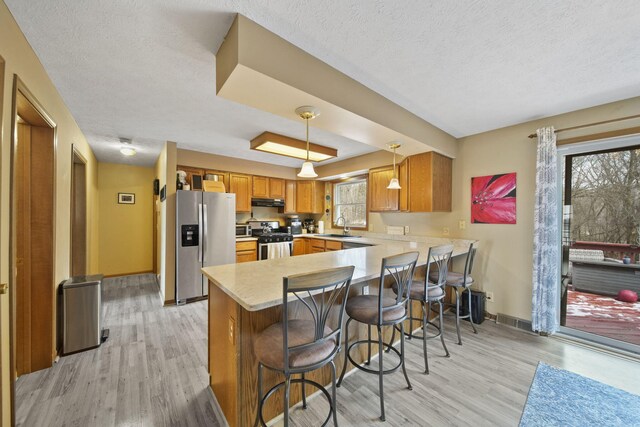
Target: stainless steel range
point(271, 243)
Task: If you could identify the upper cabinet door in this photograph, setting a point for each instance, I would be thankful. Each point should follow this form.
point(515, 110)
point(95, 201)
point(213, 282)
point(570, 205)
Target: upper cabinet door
point(241, 186)
point(260, 187)
point(221, 176)
point(190, 172)
point(380, 198)
point(429, 182)
point(309, 196)
point(290, 197)
point(403, 193)
point(276, 188)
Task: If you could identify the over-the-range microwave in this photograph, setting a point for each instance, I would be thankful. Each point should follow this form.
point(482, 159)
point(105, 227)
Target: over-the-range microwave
point(243, 230)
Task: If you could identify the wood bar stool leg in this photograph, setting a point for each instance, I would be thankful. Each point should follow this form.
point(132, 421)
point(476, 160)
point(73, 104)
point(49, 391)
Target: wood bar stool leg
point(380, 373)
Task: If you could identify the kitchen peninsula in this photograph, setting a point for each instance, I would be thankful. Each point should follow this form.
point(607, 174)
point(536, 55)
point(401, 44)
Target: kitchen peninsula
point(246, 298)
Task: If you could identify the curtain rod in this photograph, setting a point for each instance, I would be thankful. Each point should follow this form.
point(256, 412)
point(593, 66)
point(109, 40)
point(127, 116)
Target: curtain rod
point(533, 135)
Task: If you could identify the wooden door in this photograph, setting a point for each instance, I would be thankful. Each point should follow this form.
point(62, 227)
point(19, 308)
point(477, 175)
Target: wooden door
point(299, 247)
point(380, 198)
point(276, 188)
point(260, 187)
point(241, 186)
point(290, 197)
point(33, 229)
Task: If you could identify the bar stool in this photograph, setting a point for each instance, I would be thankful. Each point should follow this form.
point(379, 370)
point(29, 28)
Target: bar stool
point(379, 310)
point(297, 346)
point(461, 282)
point(428, 292)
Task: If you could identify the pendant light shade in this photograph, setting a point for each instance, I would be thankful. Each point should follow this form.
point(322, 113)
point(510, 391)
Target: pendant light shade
point(394, 184)
point(307, 171)
point(307, 113)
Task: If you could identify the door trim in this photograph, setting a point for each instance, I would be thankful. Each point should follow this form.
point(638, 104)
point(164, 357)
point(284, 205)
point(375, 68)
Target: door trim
point(20, 87)
point(76, 153)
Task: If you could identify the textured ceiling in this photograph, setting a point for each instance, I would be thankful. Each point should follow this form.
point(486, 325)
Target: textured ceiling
point(145, 69)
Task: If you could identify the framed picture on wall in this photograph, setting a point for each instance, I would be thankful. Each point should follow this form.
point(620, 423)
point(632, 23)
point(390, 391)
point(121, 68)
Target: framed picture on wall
point(493, 199)
point(126, 198)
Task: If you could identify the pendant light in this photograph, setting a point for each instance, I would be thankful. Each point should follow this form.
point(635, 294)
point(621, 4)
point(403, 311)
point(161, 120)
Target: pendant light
point(394, 184)
point(306, 113)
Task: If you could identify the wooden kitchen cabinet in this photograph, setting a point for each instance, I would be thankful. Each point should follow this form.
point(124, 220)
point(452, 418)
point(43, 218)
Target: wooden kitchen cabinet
point(260, 187)
point(222, 176)
point(276, 188)
point(310, 197)
point(427, 186)
point(246, 251)
point(332, 245)
point(380, 198)
point(268, 188)
point(240, 185)
point(403, 178)
point(290, 197)
point(299, 246)
point(190, 172)
point(316, 245)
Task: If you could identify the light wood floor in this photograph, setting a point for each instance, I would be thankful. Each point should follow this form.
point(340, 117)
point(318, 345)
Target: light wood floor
point(152, 372)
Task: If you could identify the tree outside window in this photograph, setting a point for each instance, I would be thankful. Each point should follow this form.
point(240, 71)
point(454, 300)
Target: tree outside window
point(350, 202)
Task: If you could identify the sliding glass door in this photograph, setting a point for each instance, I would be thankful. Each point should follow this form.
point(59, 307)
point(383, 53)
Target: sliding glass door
point(600, 242)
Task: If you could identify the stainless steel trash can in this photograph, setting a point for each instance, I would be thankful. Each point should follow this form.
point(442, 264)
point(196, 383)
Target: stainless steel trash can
point(82, 313)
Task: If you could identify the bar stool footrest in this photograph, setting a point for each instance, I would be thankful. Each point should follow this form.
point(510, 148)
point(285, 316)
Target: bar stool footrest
point(373, 371)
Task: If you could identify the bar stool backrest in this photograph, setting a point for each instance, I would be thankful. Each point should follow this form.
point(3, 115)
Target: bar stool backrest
point(437, 258)
point(320, 292)
point(401, 268)
point(468, 264)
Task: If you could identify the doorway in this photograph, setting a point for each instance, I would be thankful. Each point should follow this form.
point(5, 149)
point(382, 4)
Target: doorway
point(78, 256)
point(600, 242)
point(32, 234)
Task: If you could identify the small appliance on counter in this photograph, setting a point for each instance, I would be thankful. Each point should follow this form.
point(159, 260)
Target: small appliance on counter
point(243, 230)
point(309, 225)
point(294, 222)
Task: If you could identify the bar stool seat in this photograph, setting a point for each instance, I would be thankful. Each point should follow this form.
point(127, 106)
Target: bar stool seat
point(417, 291)
point(364, 309)
point(269, 349)
point(453, 279)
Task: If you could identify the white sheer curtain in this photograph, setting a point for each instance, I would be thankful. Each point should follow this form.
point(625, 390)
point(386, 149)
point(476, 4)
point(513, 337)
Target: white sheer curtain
point(546, 237)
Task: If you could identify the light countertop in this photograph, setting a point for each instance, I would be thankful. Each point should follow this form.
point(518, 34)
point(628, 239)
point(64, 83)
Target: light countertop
point(246, 239)
point(258, 285)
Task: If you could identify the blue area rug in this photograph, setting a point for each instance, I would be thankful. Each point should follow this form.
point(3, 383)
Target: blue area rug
point(562, 398)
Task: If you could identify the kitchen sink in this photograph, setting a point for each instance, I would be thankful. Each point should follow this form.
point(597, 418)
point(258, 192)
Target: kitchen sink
point(339, 236)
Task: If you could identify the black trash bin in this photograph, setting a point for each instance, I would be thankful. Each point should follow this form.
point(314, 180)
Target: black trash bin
point(477, 306)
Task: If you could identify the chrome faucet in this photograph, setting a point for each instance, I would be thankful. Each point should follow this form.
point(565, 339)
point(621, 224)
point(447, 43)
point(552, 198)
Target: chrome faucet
point(345, 228)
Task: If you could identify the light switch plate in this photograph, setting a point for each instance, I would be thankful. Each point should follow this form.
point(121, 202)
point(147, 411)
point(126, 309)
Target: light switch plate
point(462, 224)
point(391, 229)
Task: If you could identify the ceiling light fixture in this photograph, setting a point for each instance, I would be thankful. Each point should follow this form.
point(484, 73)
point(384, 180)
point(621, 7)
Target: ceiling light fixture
point(126, 149)
point(274, 143)
point(394, 184)
point(306, 112)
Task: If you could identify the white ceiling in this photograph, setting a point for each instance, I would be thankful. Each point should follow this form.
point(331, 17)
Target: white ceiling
point(145, 69)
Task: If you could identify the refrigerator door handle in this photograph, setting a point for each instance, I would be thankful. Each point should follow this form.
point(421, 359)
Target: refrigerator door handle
point(200, 232)
point(205, 231)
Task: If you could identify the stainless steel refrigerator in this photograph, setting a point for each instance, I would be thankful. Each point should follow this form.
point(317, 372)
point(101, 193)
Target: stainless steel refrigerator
point(205, 236)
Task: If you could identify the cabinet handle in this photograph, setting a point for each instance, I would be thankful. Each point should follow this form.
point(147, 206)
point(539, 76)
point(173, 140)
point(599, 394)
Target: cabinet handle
point(3, 288)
